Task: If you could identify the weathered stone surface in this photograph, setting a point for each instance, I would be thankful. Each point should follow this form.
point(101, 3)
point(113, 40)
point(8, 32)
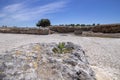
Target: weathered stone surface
point(39, 62)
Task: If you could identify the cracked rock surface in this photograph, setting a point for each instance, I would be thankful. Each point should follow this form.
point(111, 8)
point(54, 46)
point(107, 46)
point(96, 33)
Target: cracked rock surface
point(38, 62)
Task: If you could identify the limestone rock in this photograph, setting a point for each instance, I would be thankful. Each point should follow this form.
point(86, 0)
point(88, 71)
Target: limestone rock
point(39, 62)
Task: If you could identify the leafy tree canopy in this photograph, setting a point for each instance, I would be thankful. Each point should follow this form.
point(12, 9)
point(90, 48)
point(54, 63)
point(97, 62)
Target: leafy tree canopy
point(43, 23)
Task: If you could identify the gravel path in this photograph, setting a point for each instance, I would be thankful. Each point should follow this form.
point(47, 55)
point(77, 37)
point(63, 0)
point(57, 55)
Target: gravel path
point(103, 53)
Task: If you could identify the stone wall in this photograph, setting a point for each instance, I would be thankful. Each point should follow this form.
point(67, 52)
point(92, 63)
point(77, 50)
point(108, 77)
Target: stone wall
point(62, 29)
point(25, 31)
point(69, 29)
point(107, 28)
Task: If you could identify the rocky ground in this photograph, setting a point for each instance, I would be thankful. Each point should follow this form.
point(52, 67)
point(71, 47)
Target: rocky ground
point(102, 53)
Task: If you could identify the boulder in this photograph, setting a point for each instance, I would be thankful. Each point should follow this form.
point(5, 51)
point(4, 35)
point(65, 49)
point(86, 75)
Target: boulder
point(39, 62)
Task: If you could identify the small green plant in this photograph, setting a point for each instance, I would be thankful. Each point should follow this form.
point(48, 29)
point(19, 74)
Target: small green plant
point(61, 48)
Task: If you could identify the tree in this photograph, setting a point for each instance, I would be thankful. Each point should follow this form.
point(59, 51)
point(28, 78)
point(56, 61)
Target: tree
point(82, 24)
point(77, 24)
point(72, 24)
point(43, 23)
point(93, 24)
point(98, 24)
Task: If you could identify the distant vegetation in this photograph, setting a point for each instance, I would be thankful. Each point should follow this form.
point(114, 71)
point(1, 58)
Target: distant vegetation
point(75, 25)
point(43, 23)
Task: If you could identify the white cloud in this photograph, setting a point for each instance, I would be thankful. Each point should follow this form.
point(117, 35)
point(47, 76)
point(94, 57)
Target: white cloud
point(2, 15)
point(13, 8)
point(23, 12)
point(38, 11)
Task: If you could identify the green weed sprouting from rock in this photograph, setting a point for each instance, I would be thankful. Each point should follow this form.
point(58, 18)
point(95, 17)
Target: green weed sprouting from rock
point(61, 48)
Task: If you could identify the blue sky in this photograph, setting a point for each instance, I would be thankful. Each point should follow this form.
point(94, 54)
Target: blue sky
point(28, 12)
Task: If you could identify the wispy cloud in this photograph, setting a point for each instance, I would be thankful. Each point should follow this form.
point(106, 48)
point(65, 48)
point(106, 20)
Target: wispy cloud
point(13, 8)
point(2, 15)
point(24, 12)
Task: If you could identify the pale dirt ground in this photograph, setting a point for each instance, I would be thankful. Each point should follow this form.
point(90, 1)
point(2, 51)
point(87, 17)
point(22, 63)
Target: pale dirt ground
point(102, 53)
